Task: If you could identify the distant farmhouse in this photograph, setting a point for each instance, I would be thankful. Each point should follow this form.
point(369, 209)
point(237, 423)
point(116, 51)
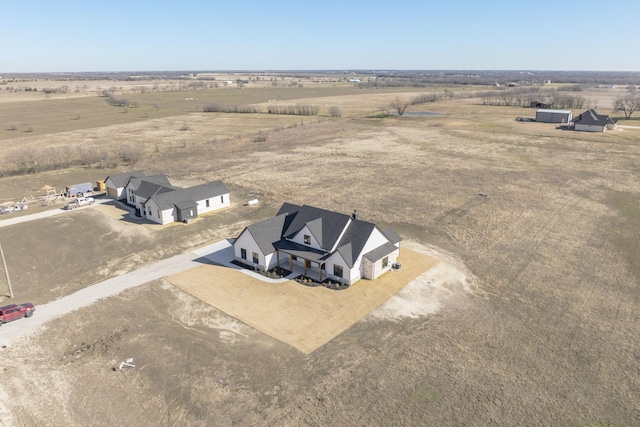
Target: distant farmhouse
point(591, 121)
point(155, 199)
point(323, 243)
point(553, 116)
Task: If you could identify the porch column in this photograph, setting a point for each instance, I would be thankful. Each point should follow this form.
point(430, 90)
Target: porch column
point(319, 272)
point(278, 258)
point(305, 267)
point(290, 262)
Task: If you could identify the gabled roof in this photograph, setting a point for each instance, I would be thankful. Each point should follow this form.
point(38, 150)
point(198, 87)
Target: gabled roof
point(158, 179)
point(147, 189)
point(354, 239)
point(121, 179)
point(326, 226)
point(592, 118)
point(268, 232)
point(168, 197)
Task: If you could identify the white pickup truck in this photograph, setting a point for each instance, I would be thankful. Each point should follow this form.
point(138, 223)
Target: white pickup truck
point(79, 202)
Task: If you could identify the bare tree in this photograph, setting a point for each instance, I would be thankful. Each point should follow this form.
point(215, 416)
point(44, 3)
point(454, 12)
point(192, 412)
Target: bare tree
point(628, 105)
point(335, 112)
point(400, 105)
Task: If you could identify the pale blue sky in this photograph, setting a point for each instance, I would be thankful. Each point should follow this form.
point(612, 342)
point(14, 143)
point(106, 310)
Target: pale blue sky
point(156, 35)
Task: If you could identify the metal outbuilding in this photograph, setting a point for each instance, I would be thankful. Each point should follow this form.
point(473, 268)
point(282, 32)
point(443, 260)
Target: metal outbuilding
point(554, 116)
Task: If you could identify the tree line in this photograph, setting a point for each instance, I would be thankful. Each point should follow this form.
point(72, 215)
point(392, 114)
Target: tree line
point(295, 110)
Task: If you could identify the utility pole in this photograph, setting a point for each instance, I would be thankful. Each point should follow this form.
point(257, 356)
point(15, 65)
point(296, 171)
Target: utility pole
point(6, 272)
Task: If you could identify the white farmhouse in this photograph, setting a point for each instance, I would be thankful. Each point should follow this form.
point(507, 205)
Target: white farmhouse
point(325, 244)
point(154, 198)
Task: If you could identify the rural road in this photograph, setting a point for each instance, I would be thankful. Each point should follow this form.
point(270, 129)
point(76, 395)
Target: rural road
point(45, 214)
point(221, 252)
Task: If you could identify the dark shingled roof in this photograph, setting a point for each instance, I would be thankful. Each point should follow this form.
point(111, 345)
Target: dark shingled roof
point(354, 239)
point(121, 179)
point(392, 235)
point(186, 204)
point(380, 252)
point(186, 196)
point(268, 232)
point(147, 189)
point(158, 179)
point(207, 191)
point(592, 118)
point(326, 226)
point(302, 251)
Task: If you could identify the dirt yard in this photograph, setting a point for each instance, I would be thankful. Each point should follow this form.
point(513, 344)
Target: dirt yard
point(530, 319)
point(302, 316)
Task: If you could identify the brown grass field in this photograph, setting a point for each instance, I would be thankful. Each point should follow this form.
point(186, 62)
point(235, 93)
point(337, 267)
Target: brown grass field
point(530, 319)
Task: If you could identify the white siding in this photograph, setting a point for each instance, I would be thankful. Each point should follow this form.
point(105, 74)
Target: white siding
point(336, 259)
point(246, 241)
point(214, 204)
point(373, 270)
point(151, 213)
point(299, 238)
point(112, 189)
point(376, 239)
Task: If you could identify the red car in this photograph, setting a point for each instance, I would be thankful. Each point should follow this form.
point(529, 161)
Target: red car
point(15, 312)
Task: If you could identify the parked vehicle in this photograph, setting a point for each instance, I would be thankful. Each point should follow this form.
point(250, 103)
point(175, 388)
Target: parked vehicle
point(79, 202)
point(12, 312)
point(79, 190)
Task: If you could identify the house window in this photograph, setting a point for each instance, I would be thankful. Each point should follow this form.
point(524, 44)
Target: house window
point(158, 213)
point(243, 253)
point(150, 212)
point(293, 257)
point(207, 203)
point(307, 240)
point(385, 262)
point(221, 199)
point(256, 258)
point(337, 270)
point(307, 263)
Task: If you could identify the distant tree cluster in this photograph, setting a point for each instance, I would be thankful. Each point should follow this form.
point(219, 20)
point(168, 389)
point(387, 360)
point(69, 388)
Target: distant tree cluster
point(29, 159)
point(116, 100)
point(526, 97)
point(227, 108)
point(61, 89)
point(295, 110)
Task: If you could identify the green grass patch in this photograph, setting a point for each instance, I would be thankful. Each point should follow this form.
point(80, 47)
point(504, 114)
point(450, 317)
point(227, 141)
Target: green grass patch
point(426, 392)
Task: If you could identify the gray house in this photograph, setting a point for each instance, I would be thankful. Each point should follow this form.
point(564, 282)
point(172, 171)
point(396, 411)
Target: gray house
point(591, 121)
point(554, 116)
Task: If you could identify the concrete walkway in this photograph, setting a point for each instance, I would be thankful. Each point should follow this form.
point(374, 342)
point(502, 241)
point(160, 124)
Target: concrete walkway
point(220, 252)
